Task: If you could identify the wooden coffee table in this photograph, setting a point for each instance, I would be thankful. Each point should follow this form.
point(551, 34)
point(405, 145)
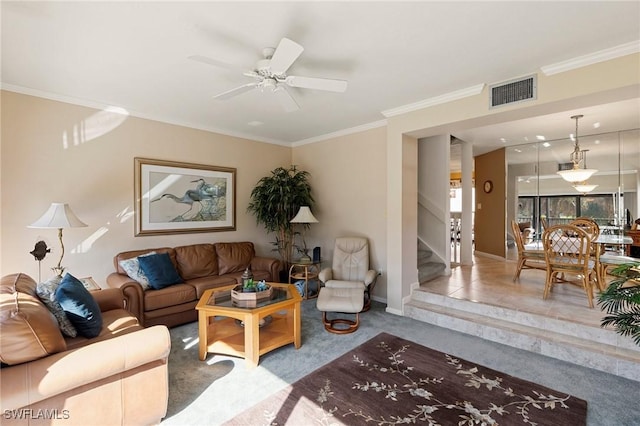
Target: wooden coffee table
point(240, 329)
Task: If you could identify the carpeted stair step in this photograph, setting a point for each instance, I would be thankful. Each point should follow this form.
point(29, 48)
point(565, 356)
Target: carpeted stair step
point(428, 267)
point(430, 270)
point(593, 347)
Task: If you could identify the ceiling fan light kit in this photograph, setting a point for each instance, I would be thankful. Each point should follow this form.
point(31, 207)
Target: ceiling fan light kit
point(270, 75)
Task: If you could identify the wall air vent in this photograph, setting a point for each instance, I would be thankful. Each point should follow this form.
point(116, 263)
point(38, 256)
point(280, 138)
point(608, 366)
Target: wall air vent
point(513, 91)
point(565, 166)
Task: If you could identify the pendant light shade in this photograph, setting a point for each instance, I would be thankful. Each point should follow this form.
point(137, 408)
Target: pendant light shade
point(584, 188)
point(578, 175)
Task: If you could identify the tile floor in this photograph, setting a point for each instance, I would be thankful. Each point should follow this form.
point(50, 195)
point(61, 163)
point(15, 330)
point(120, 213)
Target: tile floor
point(490, 281)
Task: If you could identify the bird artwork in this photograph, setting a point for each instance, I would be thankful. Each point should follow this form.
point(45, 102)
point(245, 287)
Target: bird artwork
point(208, 190)
point(209, 198)
point(40, 250)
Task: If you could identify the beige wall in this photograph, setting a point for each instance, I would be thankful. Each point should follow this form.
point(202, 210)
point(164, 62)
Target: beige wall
point(348, 177)
point(58, 152)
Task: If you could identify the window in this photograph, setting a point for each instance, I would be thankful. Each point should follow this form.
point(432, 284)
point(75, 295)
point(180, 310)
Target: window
point(560, 209)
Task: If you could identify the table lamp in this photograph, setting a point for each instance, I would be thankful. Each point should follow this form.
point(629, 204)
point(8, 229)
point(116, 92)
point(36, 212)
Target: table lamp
point(60, 216)
point(305, 217)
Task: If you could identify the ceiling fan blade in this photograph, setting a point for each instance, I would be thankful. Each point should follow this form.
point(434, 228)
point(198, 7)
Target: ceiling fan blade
point(214, 62)
point(286, 53)
point(316, 83)
point(237, 91)
point(286, 100)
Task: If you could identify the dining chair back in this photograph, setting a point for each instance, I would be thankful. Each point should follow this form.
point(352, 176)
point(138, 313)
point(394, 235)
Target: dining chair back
point(588, 224)
point(527, 258)
point(568, 253)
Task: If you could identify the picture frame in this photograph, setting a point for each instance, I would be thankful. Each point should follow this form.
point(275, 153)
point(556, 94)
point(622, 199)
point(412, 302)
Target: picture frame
point(89, 283)
point(173, 197)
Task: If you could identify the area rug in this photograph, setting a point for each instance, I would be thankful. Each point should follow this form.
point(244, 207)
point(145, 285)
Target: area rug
point(388, 380)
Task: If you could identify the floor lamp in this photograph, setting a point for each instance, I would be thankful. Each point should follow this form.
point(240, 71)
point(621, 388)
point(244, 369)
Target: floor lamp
point(305, 217)
point(58, 216)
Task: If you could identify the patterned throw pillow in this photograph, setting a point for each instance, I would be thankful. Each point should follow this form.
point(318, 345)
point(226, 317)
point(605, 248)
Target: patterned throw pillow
point(134, 271)
point(46, 291)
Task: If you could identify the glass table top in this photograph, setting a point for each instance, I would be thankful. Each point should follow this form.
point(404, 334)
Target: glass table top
point(223, 298)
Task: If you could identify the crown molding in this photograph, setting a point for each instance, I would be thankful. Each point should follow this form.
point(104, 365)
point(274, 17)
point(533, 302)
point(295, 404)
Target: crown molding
point(103, 106)
point(344, 132)
point(437, 100)
point(592, 58)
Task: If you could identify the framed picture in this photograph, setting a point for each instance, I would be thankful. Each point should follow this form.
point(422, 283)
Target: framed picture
point(173, 197)
point(89, 284)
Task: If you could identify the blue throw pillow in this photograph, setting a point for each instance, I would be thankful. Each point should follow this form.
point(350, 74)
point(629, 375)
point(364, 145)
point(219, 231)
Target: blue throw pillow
point(79, 306)
point(159, 270)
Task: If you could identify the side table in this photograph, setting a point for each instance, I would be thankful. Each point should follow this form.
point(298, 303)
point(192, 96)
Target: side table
point(305, 271)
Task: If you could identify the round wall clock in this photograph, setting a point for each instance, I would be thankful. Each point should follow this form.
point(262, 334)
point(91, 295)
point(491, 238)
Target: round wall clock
point(488, 186)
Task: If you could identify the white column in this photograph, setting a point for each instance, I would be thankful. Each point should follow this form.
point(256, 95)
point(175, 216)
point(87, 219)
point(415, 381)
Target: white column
point(466, 238)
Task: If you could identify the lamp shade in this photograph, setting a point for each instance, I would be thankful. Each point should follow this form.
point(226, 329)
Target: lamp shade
point(584, 187)
point(304, 216)
point(59, 215)
point(576, 175)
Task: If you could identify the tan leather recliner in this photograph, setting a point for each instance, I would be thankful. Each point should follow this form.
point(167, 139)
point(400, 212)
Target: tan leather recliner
point(347, 285)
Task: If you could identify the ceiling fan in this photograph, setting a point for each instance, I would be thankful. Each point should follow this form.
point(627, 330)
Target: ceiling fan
point(270, 75)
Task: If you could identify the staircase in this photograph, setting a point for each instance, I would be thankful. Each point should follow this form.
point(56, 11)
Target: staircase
point(428, 266)
point(584, 345)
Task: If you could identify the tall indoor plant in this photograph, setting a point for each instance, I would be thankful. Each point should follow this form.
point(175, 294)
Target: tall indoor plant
point(275, 201)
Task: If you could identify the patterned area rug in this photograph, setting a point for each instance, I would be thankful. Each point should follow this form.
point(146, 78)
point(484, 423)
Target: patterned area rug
point(388, 380)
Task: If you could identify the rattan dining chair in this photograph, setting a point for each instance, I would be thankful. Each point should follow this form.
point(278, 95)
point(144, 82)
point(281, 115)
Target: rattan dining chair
point(568, 252)
point(593, 229)
point(588, 224)
point(527, 258)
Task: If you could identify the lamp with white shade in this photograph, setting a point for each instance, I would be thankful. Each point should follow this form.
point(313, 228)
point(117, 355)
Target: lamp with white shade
point(58, 216)
point(305, 217)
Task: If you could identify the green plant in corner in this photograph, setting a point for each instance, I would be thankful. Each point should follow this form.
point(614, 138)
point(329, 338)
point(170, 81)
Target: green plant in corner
point(275, 201)
point(621, 301)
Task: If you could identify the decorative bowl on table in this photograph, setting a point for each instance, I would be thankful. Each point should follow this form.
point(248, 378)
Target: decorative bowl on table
point(239, 293)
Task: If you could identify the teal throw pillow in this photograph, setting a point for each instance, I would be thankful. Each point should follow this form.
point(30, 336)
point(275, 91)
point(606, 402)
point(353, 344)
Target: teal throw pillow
point(81, 308)
point(159, 270)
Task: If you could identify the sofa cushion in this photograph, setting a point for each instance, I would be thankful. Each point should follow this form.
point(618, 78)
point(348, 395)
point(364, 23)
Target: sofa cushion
point(159, 270)
point(213, 281)
point(169, 296)
point(196, 261)
point(524, 225)
point(115, 322)
point(134, 271)
point(23, 283)
point(29, 330)
point(234, 257)
point(81, 309)
point(47, 293)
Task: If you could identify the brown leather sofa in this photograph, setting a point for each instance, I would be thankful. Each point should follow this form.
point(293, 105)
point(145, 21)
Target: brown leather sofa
point(201, 267)
point(118, 377)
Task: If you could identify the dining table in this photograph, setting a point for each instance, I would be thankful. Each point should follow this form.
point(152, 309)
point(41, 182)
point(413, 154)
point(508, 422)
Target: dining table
point(605, 259)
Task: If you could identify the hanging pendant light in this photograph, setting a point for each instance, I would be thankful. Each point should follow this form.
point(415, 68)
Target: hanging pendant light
point(577, 175)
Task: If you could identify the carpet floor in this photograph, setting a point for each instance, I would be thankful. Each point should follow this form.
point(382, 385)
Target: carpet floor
point(216, 390)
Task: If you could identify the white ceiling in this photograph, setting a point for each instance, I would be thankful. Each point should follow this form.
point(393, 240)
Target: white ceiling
point(134, 55)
